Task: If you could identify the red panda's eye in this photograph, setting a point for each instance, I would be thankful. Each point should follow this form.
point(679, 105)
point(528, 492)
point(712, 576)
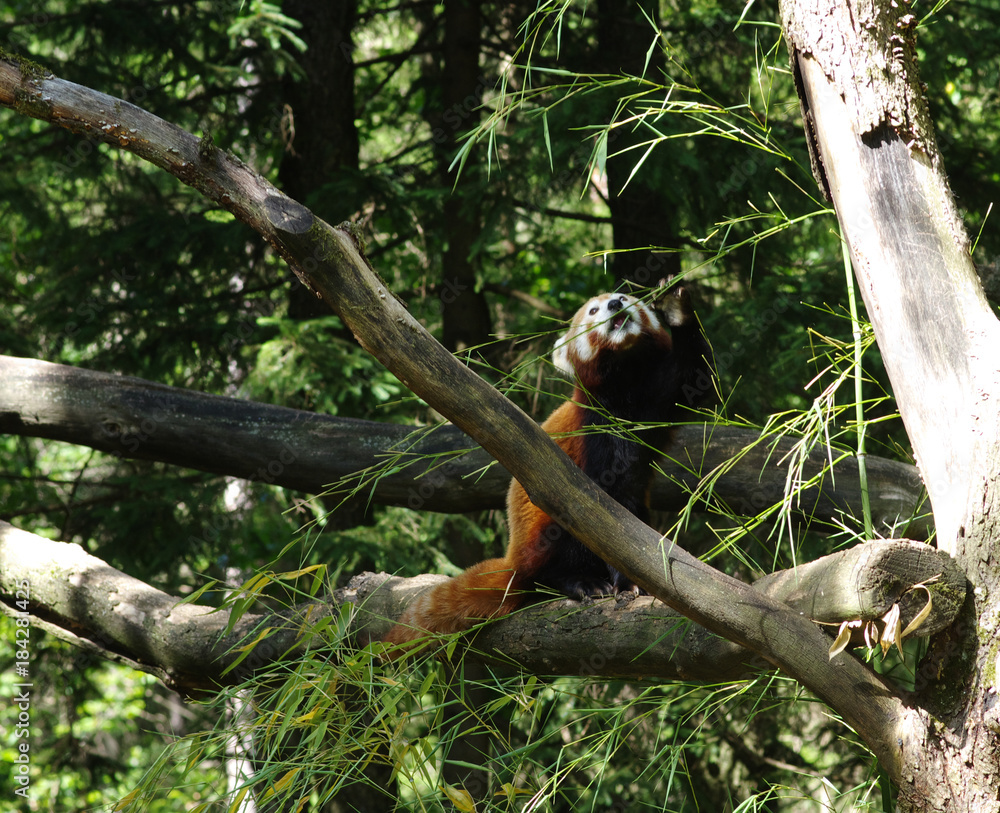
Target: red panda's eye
point(592, 311)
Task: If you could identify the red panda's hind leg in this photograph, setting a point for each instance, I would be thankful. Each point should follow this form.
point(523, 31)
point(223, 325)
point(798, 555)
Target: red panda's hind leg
point(574, 569)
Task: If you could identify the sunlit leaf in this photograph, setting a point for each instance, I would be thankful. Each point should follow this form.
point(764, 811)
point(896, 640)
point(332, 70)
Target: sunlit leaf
point(920, 617)
point(460, 797)
point(892, 629)
point(841, 641)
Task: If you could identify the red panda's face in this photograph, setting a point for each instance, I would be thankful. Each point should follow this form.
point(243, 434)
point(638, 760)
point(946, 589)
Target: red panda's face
point(606, 322)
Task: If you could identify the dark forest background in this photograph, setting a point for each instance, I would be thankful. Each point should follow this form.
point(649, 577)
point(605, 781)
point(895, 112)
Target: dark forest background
point(504, 162)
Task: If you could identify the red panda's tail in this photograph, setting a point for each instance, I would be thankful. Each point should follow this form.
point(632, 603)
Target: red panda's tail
point(486, 590)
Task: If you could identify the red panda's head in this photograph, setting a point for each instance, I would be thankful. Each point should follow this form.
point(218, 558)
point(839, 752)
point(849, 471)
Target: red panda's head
point(606, 322)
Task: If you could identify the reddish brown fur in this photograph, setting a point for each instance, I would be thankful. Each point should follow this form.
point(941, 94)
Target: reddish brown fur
point(538, 551)
point(495, 587)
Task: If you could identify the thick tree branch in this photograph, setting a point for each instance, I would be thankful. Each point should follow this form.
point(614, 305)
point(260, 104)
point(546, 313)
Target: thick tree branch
point(439, 470)
point(87, 602)
point(642, 638)
point(81, 599)
point(333, 264)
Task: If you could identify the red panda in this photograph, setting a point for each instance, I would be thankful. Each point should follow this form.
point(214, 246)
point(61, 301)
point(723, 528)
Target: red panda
point(633, 375)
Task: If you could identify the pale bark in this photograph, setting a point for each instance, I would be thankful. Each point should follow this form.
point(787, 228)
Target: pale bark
point(85, 601)
point(874, 153)
point(877, 159)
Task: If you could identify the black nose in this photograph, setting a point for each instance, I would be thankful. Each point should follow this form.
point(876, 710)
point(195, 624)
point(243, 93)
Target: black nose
point(615, 305)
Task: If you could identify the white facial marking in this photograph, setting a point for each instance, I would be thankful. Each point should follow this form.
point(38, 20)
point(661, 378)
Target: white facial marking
point(599, 323)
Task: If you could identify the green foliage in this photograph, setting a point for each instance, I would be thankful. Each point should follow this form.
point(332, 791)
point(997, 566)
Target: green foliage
point(92, 725)
point(266, 20)
point(110, 264)
point(298, 365)
point(336, 722)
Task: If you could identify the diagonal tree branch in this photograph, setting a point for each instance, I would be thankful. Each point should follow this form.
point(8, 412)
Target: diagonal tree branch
point(331, 261)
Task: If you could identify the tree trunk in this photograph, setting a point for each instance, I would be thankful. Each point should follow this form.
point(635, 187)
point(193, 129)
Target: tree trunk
point(466, 321)
point(874, 154)
point(640, 215)
point(321, 139)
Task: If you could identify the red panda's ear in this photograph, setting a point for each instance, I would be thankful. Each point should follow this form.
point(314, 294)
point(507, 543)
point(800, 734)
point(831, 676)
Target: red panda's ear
point(560, 356)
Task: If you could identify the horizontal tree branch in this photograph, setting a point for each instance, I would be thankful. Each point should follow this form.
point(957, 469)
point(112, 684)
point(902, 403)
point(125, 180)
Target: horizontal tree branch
point(643, 638)
point(83, 600)
point(433, 470)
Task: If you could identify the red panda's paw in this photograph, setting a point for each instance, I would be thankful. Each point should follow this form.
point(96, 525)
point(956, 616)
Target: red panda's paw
point(584, 588)
point(674, 303)
point(623, 585)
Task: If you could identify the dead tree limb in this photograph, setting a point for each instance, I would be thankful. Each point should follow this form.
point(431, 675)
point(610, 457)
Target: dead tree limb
point(83, 600)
